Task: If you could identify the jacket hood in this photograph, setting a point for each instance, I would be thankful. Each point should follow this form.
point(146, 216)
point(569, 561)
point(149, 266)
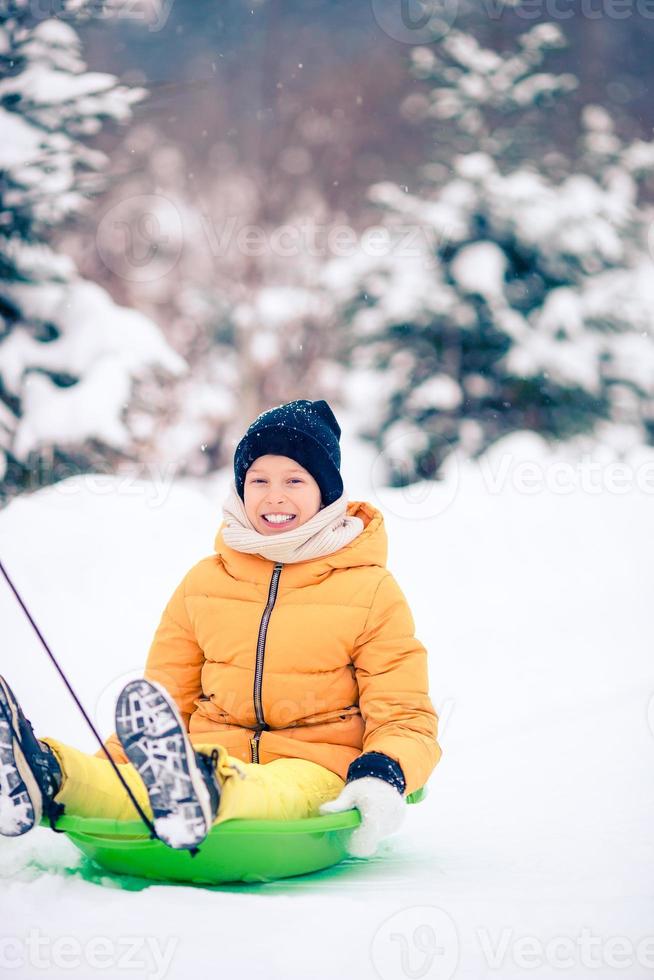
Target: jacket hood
point(370, 547)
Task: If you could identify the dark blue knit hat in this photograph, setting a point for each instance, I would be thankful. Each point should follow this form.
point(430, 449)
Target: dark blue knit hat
point(303, 430)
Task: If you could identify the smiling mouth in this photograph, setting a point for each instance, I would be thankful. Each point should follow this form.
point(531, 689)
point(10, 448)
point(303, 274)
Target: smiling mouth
point(279, 523)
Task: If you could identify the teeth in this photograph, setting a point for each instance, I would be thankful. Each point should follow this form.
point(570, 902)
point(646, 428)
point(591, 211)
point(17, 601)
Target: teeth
point(279, 518)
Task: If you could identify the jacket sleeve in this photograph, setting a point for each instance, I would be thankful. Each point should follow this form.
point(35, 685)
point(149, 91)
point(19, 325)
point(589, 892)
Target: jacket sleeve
point(392, 675)
point(175, 660)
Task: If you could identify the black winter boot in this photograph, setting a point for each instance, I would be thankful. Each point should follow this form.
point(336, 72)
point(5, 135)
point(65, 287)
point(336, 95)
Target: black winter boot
point(207, 765)
point(181, 783)
point(30, 776)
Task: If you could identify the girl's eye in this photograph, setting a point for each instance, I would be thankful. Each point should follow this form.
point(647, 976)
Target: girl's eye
point(293, 479)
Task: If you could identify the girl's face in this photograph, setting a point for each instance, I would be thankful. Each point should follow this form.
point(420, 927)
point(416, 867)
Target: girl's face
point(278, 485)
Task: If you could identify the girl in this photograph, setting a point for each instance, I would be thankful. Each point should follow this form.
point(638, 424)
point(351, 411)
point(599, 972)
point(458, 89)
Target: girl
point(284, 679)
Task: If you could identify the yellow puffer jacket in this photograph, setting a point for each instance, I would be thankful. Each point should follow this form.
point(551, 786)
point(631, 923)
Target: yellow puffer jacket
point(313, 660)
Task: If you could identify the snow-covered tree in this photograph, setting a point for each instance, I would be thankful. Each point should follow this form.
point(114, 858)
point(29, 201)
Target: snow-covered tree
point(233, 288)
point(524, 297)
point(70, 357)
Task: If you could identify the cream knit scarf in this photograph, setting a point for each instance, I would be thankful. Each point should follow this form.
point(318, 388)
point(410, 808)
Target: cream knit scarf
point(327, 531)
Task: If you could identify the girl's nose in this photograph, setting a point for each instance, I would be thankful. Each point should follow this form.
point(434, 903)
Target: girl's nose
point(276, 497)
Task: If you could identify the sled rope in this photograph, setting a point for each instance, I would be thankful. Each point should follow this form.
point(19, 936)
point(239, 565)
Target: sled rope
point(148, 823)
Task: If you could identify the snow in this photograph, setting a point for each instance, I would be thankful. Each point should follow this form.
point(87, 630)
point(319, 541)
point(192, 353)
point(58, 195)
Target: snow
point(90, 409)
point(102, 345)
point(439, 391)
point(91, 326)
point(54, 103)
point(532, 591)
point(633, 357)
point(20, 141)
point(566, 363)
point(175, 829)
point(562, 310)
point(639, 156)
point(56, 34)
point(474, 166)
point(13, 816)
point(274, 306)
point(480, 268)
point(40, 85)
point(561, 264)
point(264, 348)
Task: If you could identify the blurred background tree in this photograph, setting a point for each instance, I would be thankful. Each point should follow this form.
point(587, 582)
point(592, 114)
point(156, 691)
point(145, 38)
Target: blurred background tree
point(250, 133)
point(527, 299)
point(70, 358)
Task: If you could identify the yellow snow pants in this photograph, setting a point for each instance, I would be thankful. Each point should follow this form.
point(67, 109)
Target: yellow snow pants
point(284, 789)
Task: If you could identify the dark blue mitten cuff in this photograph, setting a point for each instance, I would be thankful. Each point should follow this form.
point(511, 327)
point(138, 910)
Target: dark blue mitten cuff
point(380, 765)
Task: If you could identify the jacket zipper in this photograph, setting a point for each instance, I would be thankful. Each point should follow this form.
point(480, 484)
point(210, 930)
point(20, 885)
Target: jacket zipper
point(258, 668)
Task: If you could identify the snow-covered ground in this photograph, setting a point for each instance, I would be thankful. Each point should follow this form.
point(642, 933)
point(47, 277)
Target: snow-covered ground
point(530, 578)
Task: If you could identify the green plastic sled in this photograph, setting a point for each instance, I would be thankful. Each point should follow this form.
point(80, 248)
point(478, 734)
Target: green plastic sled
point(237, 850)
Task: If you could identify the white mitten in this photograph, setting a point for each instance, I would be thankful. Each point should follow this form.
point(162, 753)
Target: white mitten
point(381, 807)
